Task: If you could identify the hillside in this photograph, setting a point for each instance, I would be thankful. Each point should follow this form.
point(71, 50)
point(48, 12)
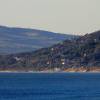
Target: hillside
point(16, 40)
point(82, 53)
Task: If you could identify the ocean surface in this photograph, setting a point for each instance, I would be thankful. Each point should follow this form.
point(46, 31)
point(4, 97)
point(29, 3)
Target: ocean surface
point(49, 86)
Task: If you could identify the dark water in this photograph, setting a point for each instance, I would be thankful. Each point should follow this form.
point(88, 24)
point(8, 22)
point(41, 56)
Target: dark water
point(62, 86)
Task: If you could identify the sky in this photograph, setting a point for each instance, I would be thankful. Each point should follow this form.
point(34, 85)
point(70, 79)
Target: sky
point(63, 16)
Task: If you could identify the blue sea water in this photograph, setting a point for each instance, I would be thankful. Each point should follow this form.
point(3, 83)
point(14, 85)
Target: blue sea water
point(49, 86)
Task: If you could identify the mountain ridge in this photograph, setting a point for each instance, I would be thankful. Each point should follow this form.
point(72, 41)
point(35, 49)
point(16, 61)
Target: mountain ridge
point(16, 40)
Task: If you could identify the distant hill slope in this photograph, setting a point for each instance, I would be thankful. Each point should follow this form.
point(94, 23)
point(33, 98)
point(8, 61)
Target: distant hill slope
point(14, 40)
point(81, 52)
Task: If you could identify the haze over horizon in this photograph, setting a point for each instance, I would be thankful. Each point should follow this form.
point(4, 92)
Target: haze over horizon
point(63, 16)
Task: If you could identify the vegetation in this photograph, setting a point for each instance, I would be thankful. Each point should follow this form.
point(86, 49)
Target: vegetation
point(83, 52)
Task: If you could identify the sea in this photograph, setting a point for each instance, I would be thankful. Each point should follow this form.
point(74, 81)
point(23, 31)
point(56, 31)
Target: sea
point(49, 86)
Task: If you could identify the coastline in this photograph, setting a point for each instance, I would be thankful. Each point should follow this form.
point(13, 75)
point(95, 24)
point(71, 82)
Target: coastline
point(49, 71)
point(82, 69)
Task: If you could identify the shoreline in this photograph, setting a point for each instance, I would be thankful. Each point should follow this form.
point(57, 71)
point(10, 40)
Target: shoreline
point(49, 71)
point(93, 69)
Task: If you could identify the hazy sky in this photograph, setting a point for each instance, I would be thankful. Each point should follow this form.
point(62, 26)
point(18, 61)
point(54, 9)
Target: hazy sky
point(65, 16)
